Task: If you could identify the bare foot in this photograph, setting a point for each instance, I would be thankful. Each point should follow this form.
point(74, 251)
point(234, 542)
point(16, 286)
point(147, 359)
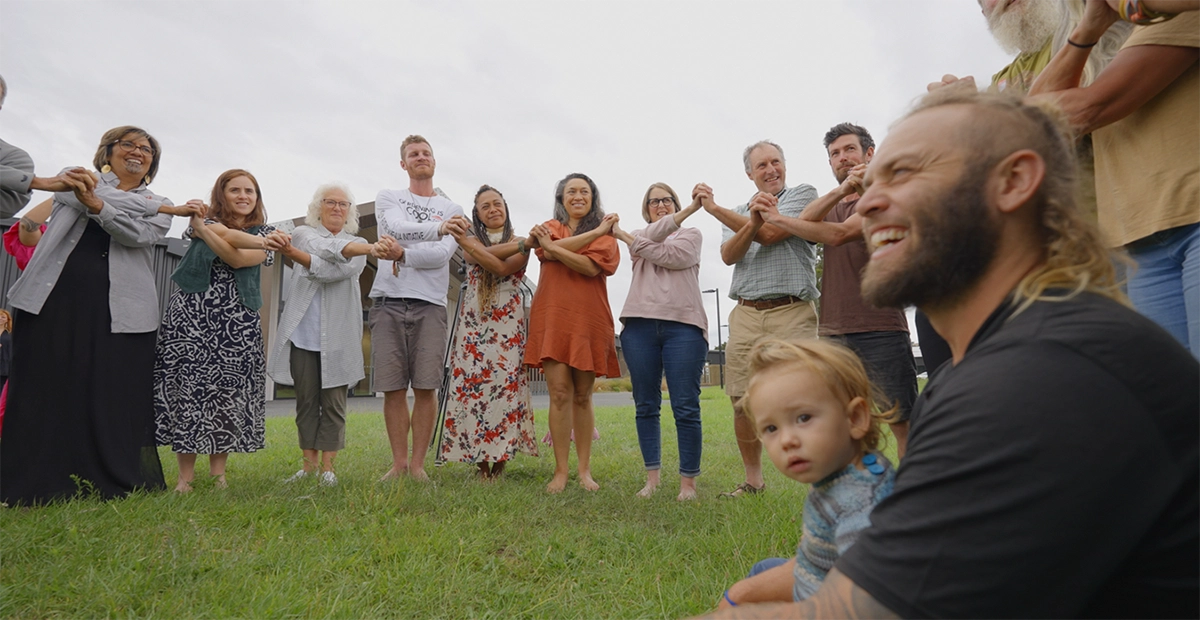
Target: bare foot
point(419, 474)
point(585, 481)
point(687, 489)
point(184, 486)
point(393, 473)
point(219, 481)
point(497, 469)
point(557, 483)
point(647, 490)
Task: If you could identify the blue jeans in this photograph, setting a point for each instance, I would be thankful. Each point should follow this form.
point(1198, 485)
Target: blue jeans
point(1165, 287)
point(766, 565)
point(652, 348)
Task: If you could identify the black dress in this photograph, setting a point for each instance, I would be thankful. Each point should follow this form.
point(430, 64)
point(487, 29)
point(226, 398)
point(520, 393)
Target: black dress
point(80, 415)
point(5, 356)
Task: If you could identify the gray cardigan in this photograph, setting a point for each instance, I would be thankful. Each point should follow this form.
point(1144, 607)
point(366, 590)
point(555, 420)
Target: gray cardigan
point(341, 308)
point(16, 173)
point(134, 225)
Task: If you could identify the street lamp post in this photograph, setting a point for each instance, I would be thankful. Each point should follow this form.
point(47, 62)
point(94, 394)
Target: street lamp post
point(720, 342)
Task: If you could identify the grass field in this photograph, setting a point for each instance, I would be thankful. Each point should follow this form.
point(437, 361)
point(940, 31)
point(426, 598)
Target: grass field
point(452, 548)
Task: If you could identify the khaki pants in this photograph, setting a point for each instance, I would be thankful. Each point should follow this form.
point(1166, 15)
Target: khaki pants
point(747, 326)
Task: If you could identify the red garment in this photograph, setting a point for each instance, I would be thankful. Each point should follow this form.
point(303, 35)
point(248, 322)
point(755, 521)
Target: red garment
point(570, 320)
point(19, 251)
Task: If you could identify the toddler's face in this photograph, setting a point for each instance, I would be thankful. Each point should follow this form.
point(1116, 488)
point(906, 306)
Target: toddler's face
point(805, 428)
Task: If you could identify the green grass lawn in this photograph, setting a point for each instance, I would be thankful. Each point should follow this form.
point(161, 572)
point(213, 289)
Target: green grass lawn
point(453, 548)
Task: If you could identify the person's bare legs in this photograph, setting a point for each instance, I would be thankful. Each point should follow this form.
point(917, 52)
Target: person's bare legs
point(583, 420)
point(424, 412)
point(395, 418)
point(653, 477)
point(310, 460)
point(216, 468)
point(900, 432)
point(497, 469)
point(559, 384)
point(687, 488)
point(748, 445)
point(187, 472)
point(326, 459)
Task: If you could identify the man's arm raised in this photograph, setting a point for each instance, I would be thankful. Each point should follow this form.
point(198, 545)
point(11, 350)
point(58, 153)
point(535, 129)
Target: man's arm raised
point(766, 235)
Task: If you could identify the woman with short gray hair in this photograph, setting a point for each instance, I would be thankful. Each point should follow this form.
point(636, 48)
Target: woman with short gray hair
point(80, 415)
point(319, 345)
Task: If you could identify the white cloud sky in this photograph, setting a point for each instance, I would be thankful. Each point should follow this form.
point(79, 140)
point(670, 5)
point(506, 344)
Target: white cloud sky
point(512, 94)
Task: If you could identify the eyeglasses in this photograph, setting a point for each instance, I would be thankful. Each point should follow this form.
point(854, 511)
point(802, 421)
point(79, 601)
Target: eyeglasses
point(331, 203)
point(128, 146)
point(666, 202)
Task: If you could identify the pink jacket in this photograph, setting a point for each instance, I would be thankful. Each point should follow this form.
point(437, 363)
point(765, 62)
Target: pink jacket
point(666, 275)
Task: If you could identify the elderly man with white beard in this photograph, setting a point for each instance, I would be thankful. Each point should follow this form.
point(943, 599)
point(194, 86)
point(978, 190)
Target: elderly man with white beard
point(1035, 30)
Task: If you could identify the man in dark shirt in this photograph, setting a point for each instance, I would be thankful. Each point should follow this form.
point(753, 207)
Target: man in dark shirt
point(878, 335)
point(1053, 467)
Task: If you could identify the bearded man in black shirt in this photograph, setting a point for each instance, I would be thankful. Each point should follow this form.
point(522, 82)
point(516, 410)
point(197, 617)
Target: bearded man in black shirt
point(1053, 468)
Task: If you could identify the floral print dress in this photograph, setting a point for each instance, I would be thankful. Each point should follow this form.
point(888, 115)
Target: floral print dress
point(488, 415)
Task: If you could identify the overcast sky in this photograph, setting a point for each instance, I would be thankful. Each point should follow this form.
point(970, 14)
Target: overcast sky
point(512, 94)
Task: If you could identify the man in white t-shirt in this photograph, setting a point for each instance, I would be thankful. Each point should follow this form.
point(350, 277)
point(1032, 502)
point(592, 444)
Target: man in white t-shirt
point(408, 316)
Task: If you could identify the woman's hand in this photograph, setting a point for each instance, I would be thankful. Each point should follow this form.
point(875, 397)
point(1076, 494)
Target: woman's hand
point(607, 224)
point(83, 184)
point(191, 208)
point(277, 241)
point(542, 234)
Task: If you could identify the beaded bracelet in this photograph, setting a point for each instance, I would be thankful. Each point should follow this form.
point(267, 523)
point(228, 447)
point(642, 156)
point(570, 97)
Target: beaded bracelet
point(1133, 12)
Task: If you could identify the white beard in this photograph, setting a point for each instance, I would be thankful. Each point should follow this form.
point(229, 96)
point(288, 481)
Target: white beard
point(1026, 27)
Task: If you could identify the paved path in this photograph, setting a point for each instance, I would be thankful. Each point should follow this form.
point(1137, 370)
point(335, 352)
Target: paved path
point(367, 404)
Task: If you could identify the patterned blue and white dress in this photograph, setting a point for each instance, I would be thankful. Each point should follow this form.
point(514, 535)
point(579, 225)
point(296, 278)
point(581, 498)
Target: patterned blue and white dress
point(210, 369)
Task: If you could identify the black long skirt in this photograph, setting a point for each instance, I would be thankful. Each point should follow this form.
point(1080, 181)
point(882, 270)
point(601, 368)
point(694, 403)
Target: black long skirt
point(80, 417)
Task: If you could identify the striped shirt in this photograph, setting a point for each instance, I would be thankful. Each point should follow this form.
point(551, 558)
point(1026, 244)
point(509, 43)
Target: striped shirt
point(836, 510)
point(785, 268)
point(341, 317)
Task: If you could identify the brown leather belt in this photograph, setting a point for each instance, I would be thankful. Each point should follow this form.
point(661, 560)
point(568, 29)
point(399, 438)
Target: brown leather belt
point(767, 304)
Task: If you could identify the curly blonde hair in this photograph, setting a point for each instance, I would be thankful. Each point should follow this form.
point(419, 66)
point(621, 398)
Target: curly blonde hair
point(837, 366)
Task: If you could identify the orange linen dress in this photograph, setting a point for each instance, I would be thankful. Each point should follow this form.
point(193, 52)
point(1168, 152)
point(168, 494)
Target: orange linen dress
point(570, 321)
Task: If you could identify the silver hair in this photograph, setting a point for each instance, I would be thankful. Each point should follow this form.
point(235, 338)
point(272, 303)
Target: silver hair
point(3, 90)
point(750, 149)
point(1105, 49)
point(313, 217)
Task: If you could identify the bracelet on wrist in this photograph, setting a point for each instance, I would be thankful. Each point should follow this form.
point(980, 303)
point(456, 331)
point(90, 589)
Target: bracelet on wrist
point(729, 600)
point(521, 247)
point(1081, 45)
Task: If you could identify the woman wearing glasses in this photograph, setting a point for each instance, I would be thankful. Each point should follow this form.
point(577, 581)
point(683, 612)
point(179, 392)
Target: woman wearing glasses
point(570, 324)
point(210, 371)
point(318, 348)
point(665, 332)
point(80, 415)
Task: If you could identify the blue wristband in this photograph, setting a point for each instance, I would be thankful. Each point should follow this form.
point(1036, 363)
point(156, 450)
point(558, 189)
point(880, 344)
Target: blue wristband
point(729, 600)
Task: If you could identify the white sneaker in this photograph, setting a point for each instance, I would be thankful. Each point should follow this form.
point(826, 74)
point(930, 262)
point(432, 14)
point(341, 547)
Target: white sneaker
point(327, 479)
point(297, 477)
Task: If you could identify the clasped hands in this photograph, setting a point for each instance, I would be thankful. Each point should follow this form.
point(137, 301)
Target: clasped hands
point(280, 241)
